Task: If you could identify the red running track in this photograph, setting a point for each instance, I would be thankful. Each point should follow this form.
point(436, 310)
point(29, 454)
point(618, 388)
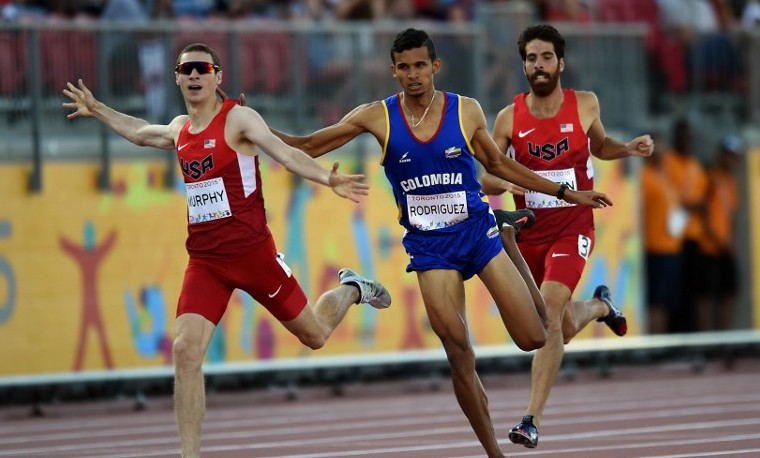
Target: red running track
point(663, 410)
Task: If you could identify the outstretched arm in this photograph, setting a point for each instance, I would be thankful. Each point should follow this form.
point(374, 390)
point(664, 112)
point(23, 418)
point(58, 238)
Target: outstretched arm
point(364, 118)
point(136, 130)
point(251, 129)
point(493, 185)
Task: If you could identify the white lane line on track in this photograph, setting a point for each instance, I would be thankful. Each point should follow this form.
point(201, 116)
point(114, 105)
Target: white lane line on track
point(251, 429)
point(338, 411)
point(107, 447)
point(575, 450)
point(437, 402)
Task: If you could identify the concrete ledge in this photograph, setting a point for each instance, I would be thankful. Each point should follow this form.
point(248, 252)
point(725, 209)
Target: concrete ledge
point(419, 360)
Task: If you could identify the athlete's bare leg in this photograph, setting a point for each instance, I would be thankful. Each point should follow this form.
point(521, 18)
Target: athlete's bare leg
point(312, 326)
point(443, 295)
point(547, 360)
point(566, 319)
point(315, 323)
point(509, 241)
point(192, 335)
point(578, 314)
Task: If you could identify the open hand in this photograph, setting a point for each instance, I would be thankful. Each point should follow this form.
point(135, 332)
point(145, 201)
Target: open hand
point(348, 186)
point(83, 100)
point(591, 198)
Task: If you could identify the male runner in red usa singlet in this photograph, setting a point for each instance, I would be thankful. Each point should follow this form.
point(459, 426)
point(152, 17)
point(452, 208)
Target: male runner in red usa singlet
point(218, 143)
point(554, 132)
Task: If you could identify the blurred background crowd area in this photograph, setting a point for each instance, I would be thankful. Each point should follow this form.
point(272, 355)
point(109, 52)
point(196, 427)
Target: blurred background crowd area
point(679, 19)
point(702, 48)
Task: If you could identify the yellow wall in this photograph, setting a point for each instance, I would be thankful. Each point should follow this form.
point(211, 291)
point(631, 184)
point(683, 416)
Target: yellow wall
point(128, 249)
point(753, 188)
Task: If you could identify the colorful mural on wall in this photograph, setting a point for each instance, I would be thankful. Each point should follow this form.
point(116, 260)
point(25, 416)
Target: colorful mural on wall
point(89, 280)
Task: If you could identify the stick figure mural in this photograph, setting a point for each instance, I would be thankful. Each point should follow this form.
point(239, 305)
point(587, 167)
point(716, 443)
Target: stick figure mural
point(89, 257)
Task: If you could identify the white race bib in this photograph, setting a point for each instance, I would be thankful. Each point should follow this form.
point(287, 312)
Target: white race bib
point(207, 201)
point(535, 199)
point(429, 212)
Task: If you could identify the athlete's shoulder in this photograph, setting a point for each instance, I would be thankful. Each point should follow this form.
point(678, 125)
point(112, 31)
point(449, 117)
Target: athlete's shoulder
point(586, 98)
point(176, 124)
point(465, 100)
point(243, 117)
point(180, 120)
point(507, 111)
point(365, 114)
point(470, 106)
point(502, 124)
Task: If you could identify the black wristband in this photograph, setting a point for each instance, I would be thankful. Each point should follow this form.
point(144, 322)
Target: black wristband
point(561, 192)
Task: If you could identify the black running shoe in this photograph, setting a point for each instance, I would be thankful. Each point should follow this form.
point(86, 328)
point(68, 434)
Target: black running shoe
point(518, 219)
point(525, 433)
point(615, 319)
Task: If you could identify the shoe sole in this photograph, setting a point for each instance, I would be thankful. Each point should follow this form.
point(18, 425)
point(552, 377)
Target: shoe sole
point(383, 290)
point(384, 293)
point(519, 439)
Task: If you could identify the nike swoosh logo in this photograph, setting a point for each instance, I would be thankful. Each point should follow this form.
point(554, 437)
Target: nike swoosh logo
point(556, 255)
point(521, 134)
point(179, 148)
point(275, 293)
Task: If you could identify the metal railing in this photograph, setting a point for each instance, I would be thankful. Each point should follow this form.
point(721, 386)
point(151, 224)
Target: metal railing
point(300, 76)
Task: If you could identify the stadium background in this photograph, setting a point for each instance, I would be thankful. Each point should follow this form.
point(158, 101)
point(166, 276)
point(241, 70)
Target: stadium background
point(90, 223)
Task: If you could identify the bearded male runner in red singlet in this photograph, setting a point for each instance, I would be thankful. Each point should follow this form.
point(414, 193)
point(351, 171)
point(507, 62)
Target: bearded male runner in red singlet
point(553, 132)
point(230, 246)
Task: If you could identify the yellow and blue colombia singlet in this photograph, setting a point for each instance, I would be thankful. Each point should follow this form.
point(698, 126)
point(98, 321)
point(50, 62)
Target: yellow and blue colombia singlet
point(434, 182)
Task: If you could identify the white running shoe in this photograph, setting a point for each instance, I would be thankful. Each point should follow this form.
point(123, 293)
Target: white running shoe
point(372, 292)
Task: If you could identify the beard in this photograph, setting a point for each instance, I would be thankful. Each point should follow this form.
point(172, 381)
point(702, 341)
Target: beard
point(543, 87)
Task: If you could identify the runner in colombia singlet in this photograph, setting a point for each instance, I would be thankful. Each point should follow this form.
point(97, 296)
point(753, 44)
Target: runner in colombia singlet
point(434, 182)
point(556, 148)
point(225, 206)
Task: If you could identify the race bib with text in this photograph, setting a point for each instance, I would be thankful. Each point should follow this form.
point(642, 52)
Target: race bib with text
point(429, 212)
point(535, 199)
point(207, 201)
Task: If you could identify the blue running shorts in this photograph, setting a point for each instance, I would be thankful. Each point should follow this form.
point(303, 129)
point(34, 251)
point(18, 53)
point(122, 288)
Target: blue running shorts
point(467, 250)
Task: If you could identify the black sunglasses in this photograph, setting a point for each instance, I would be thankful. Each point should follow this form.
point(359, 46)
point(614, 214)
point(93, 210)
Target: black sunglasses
point(202, 68)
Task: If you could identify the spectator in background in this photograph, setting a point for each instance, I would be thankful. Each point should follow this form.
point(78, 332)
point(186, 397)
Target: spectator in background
point(333, 57)
point(664, 221)
point(751, 14)
point(328, 57)
point(716, 306)
point(160, 9)
point(702, 26)
point(22, 10)
point(689, 178)
point(193, 8)
point(576, 11)
point(151, 54)
point(121, 48)
point(665, 54)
